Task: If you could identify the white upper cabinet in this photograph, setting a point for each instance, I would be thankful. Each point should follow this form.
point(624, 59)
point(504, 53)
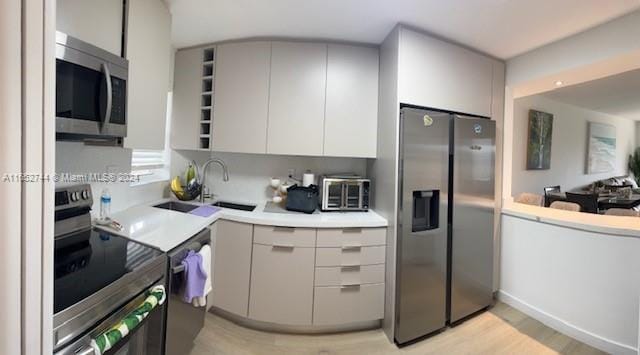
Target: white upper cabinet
point(148, 49)
point(290, 98)
point(350, 127)
point(441, 75)
point(187, 92)
point(497, 102)
point(297, 98)
point(241, 97)
point(98, 22)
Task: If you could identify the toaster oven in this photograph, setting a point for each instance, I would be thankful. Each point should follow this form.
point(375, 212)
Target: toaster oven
point(344, 193)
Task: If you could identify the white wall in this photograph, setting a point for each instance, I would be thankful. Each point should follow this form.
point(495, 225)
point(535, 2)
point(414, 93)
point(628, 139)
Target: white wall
point(77, 158)
point(602, 51)
point(568, 145)
point(582, 283)
point(249, 174)
point(615, 38)
point(10, 162)
point(384, 169)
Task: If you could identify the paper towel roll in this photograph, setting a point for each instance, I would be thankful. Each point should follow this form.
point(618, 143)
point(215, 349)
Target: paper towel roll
point(308, 179)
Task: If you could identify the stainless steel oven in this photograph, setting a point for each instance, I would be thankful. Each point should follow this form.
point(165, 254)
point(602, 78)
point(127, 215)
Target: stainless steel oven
point(99, 278)
point(344, 193)
point(91, 91)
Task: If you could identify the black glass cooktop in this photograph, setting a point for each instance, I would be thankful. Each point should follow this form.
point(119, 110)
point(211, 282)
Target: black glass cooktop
point(87, 261)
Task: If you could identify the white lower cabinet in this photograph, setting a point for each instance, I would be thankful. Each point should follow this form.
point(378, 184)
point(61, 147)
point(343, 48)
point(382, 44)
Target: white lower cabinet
point(348, 304)
point(282, 284)
point(281, 275)
point(231, 266)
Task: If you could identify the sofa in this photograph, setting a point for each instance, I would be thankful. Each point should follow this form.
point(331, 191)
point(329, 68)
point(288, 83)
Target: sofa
point(613, 184)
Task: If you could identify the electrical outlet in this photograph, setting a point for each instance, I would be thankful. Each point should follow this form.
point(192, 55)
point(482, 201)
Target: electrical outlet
point(291, 173)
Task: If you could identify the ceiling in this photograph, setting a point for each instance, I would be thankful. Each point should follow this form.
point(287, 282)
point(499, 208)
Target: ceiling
point(617, 95)
point(502, 28)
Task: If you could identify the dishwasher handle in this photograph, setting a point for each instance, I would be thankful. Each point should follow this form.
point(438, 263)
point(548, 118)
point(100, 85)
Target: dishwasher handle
point(177, 269)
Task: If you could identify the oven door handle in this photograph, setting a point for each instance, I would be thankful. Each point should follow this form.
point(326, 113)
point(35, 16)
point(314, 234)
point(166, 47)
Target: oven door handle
point(82, 346)
point(87, 350)
point(107, 76)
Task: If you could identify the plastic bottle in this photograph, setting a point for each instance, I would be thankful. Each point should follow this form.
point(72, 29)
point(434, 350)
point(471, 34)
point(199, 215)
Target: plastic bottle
point(105, 204)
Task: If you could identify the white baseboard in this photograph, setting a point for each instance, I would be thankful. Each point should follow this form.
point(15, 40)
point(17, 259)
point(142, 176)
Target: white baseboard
point(564, 327)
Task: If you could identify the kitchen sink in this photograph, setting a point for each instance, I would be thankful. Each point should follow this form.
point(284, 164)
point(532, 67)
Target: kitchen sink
point(235, 206)
point(177, 206)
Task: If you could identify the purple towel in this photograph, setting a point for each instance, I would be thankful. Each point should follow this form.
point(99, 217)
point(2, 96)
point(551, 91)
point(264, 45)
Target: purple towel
point(194, 276)
point(205, 211)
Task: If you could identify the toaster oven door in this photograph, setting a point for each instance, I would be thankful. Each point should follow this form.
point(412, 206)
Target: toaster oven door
point(352, 195)
point(332, 195)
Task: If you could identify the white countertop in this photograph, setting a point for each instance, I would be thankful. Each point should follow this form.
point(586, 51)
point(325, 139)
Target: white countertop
point(612, 225)
point(165, 229)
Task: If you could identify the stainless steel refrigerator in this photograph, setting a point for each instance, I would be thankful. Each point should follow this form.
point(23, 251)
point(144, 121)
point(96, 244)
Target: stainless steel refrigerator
point(445, 220)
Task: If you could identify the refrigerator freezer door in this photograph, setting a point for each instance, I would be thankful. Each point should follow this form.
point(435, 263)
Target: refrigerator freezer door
point(422, 224)
point(473, 212)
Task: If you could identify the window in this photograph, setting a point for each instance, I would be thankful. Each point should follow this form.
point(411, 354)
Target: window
point(149, 165)
point(153, 165)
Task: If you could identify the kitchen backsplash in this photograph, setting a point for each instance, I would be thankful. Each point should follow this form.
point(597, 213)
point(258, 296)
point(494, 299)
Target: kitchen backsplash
point(77, 158)
point(249, 174)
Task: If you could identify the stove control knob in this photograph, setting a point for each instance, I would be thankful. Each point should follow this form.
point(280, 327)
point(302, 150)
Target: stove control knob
point(85, 194)
point(74, 196)
point(72, 267)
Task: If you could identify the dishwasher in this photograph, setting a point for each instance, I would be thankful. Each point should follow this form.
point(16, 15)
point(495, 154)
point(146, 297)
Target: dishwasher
point(184, 321)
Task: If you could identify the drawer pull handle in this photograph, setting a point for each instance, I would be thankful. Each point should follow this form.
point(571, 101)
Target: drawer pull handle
point(284, 229)
point(353, 247)
point(282, 245)
point(349, 265)
point(350, 287)
point(352, 230)
point(348, 268)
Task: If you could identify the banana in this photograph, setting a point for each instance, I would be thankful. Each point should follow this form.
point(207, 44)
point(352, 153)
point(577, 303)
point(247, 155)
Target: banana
point(176, 186)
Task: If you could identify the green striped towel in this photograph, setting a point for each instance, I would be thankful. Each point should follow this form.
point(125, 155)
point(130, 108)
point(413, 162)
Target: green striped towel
point(105, 341)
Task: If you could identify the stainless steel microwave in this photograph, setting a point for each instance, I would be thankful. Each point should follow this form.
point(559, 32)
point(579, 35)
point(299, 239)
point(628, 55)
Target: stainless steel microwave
point(344, 193)
point(91, 91)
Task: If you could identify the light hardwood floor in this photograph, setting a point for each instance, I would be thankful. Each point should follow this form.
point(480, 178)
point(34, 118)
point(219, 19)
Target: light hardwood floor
point(501, 330)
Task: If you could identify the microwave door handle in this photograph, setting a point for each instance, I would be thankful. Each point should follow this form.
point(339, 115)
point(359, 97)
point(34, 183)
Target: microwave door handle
point(107, 76)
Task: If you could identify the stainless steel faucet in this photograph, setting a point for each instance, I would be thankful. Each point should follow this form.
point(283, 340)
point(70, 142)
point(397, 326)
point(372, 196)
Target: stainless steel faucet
point(225, 174)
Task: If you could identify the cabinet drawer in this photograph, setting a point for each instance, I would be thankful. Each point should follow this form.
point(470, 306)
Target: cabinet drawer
point(346, 237)
point(284, 236)
point(349, 275)
point(350, 256)
point(342, 305)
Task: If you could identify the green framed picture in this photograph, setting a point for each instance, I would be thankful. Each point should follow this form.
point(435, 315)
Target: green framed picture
point(539, 140)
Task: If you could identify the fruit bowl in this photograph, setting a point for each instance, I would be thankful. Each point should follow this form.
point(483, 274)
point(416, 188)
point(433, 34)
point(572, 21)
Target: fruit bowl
point(185, 195)
point(187, 192)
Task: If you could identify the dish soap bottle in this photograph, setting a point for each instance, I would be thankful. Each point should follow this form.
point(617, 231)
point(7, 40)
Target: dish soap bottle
point(105, 205)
